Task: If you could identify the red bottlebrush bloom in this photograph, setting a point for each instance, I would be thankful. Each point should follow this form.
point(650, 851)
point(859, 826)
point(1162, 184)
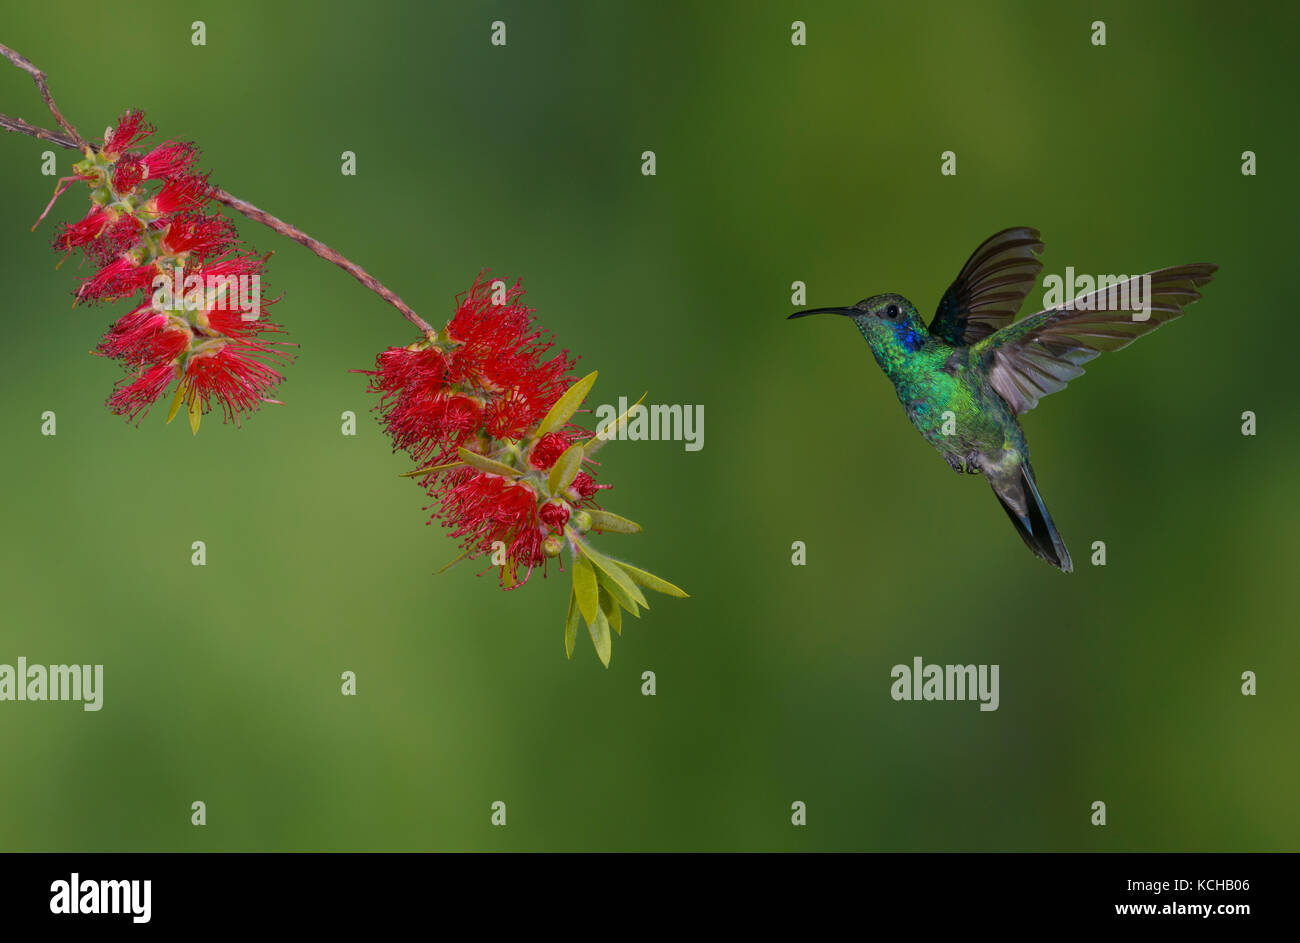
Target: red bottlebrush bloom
point(235, 267)
point(127, 173)
point(414, 392)
point(455, 418)
point(509, 415)
point(85, 230)
point(131, 130)
point(483, 509)
point(202, 325)
point(489, 420)
point(201, 236)
point(181, 194)
point(525, 551)
point(585, 486)
point(461, 417)
point(498, 349)
point(146, 336)
point(403, 367)
point(230, 321)
point(133, 399)
point(554, 516)
point(233, 303)
point(173, 159)
point(118, 279)
point(492, 356)
point(117, 238)
point(229, 373)
point(549, 448)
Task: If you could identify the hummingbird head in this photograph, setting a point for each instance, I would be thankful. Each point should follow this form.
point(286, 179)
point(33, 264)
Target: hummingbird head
point(888, 319)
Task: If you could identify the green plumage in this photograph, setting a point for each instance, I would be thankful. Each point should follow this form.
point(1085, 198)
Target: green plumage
point(964, 379)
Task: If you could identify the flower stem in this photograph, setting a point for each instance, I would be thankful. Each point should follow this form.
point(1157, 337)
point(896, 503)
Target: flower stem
point(38, 77)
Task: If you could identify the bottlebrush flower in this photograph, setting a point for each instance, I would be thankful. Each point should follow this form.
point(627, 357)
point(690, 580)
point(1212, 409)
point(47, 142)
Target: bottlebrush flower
point(199, 236)
point(146, 336)
point(548, 448)
point(129, 131)
point(199, 318)
point(180, 194)
point(169, 160)
point(137, 394)
point(486, 509)
point(231, 374)
point(121, 278)
point(488, 371)
point(85, 230)
point(487, 417)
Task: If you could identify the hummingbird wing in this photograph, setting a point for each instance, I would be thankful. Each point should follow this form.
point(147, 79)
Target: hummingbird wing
point(1043, 352)
point(990, 288)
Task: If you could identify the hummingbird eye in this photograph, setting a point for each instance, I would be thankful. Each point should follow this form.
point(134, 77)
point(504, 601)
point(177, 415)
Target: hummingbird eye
point(892, 311)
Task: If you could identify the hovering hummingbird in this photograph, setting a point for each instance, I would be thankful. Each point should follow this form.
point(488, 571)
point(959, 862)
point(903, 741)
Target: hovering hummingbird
point(965, 378)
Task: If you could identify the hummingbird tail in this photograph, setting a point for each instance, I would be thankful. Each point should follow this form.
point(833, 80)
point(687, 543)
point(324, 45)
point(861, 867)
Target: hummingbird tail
point(1024, 505)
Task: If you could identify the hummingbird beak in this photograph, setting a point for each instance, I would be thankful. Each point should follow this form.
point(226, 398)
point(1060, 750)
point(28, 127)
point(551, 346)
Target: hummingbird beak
point(847, 312)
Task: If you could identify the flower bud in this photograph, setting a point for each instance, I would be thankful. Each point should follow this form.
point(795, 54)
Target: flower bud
point(554, 514)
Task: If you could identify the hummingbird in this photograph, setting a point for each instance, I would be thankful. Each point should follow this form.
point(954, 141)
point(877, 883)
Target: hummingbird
point(965, 378)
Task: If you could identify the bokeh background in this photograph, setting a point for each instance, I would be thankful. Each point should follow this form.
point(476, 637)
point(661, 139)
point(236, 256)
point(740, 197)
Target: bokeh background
point(775, 164)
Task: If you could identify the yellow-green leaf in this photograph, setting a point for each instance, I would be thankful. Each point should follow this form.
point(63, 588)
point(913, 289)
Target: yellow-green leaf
point(196, 413)
point(604, 520)
point(610, 606)
point(430, 469)
point(650, 581)
point(611, 430)
point(485, 464)
point(584, 587)
point(565, 469)
point(599, 629)
point(614, 570)
point(571, 623)
point(566, 405)
point(176, 401)
point(452, 563)
point(623, 597)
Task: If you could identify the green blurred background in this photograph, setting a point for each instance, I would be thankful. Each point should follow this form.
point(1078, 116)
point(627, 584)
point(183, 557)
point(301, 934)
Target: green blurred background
point(775, 164)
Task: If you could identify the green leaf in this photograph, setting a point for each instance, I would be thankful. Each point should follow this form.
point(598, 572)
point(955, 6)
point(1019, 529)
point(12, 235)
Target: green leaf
point(584, 587)
point(650, 581)
point(571, 624)
point(614, 570)
point(610, 606)
point(485, 464)
point(599, 629)
point(565, 469)
point(196, 413)
point(176, 401)
point(619, 593)
point(566, 405)
point(429, 469)
point(452, 563)
point(604, 520)
point(611, 430)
